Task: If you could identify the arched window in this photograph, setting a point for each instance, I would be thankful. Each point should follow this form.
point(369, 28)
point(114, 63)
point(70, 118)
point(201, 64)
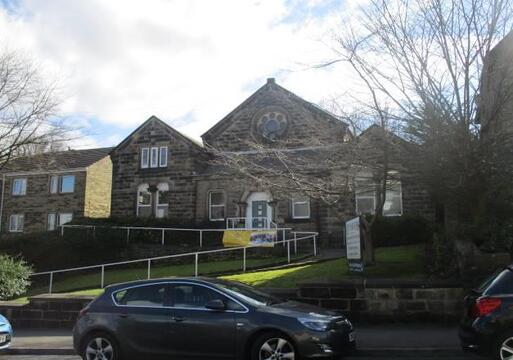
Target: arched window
point(143, 201)
point(162, 200)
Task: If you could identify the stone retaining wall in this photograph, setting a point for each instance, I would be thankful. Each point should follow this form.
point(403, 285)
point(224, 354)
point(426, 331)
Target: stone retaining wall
point(364, 300)
point(45, 311)
point(385, 300)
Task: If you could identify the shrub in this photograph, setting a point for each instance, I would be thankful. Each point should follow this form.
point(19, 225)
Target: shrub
point(50, 251)
point(442, 259)
point(401, 230)
point(189, 238)
point(85, 246)
point(14, 277)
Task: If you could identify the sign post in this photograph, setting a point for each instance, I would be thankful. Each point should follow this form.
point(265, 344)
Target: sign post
point(354, 245)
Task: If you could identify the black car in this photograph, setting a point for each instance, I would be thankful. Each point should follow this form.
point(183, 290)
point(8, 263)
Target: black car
point(208, 319)
point(487, 325)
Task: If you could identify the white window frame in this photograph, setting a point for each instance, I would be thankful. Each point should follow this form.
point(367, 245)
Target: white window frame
point(60, 215)
point(371, 197)
point(161, 187)
point(374, 196)
point(154, 157)
point(51, 223)
point(301, 201)
point(145, 158)
point(210, 205)
point(163, 159)
point(400, 200)
point(62, 181)
point(23, 187)
point(16, 222)
point(54, 184)
point(139, 190)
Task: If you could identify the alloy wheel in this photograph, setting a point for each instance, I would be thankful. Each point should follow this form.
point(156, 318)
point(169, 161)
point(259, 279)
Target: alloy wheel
point(99, 348)
point(276, 349)
point(506, 350)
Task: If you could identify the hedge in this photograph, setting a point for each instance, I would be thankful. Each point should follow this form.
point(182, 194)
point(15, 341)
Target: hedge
point(84, 247)
point(401, 230)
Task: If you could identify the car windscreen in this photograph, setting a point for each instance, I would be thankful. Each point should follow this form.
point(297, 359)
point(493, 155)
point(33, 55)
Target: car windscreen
point(499, 284)
point(247, 293)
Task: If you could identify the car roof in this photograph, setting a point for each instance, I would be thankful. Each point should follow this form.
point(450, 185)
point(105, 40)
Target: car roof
point(199, 280)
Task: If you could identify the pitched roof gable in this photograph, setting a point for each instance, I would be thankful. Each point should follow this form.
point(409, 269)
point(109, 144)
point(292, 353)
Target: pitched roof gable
point(225, 122)
point(153, 118)
point(55, 161)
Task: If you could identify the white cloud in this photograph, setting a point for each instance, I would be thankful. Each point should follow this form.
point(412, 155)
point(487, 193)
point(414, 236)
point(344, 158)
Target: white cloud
point(188, 62)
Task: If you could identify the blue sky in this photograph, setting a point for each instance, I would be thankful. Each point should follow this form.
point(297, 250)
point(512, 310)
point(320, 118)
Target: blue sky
point(189, 62)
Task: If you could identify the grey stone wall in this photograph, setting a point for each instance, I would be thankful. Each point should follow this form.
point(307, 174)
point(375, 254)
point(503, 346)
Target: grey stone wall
point(382, 300)
point(308, 125)
point(183, 164)
point(38, 202)
point(45, 311)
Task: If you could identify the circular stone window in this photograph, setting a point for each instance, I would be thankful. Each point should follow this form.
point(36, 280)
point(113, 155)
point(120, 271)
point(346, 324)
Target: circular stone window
point(271, 125)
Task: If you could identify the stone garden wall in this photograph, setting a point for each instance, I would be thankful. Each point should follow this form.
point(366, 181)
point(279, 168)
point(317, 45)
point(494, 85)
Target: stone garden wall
point(385, 300)
point(365, 300)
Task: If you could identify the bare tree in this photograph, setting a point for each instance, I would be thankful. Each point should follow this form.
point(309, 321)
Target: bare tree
point(28, 105)
point(324, 167)
point(424, 59)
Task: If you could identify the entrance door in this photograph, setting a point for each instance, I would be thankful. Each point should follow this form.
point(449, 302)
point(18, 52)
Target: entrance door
point(259, 212)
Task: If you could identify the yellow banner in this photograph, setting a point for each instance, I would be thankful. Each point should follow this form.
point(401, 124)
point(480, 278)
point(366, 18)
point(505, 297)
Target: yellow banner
point(233, 238)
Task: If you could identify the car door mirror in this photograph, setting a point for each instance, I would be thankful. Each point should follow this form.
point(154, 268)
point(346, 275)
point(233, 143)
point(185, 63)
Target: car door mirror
point(216, 305)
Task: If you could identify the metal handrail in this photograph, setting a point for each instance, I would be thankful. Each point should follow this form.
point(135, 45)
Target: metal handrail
point(196, 254)
point(230, 222)
point(162, 229)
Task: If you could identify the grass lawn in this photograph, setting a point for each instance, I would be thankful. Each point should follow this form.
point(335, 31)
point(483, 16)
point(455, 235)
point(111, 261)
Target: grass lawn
point(392, 262)
point(91, 279)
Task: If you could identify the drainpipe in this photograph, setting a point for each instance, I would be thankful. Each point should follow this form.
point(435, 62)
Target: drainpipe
point(2, 203)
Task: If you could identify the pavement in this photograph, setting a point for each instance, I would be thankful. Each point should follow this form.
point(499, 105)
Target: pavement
point(390, 341)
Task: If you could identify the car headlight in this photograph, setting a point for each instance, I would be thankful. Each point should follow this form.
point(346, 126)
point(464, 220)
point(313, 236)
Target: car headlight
point(315, 324)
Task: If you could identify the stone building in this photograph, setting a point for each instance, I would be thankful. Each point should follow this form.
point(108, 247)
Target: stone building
point(43, 191)
point(159, 172)
point(496, 93)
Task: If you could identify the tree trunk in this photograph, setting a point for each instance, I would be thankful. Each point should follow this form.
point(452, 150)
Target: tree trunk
point(368, 245)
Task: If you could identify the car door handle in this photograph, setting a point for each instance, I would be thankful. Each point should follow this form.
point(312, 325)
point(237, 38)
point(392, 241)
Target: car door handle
point(177, 318)
point(123, 315)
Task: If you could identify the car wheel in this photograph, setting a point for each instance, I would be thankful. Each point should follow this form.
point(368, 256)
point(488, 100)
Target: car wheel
point(503, 347)
point(273, 346)
point(100, 346)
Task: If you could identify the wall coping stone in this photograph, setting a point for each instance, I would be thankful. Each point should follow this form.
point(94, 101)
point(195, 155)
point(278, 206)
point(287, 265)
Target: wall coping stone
point(60, 298)
point(385, 283)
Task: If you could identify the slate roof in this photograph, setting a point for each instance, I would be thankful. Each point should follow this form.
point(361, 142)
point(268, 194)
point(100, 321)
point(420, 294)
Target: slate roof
point(165, 125)
point(61, 160)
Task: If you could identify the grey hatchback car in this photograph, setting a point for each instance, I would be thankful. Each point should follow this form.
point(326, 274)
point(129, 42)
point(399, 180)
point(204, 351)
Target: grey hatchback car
point(206, 319)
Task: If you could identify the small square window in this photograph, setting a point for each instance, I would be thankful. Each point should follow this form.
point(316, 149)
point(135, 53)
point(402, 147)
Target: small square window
point(16, 222)
point(19, 187)
point(216, 205)
point(65, 218)
point(301, 208)
point(67, 183)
